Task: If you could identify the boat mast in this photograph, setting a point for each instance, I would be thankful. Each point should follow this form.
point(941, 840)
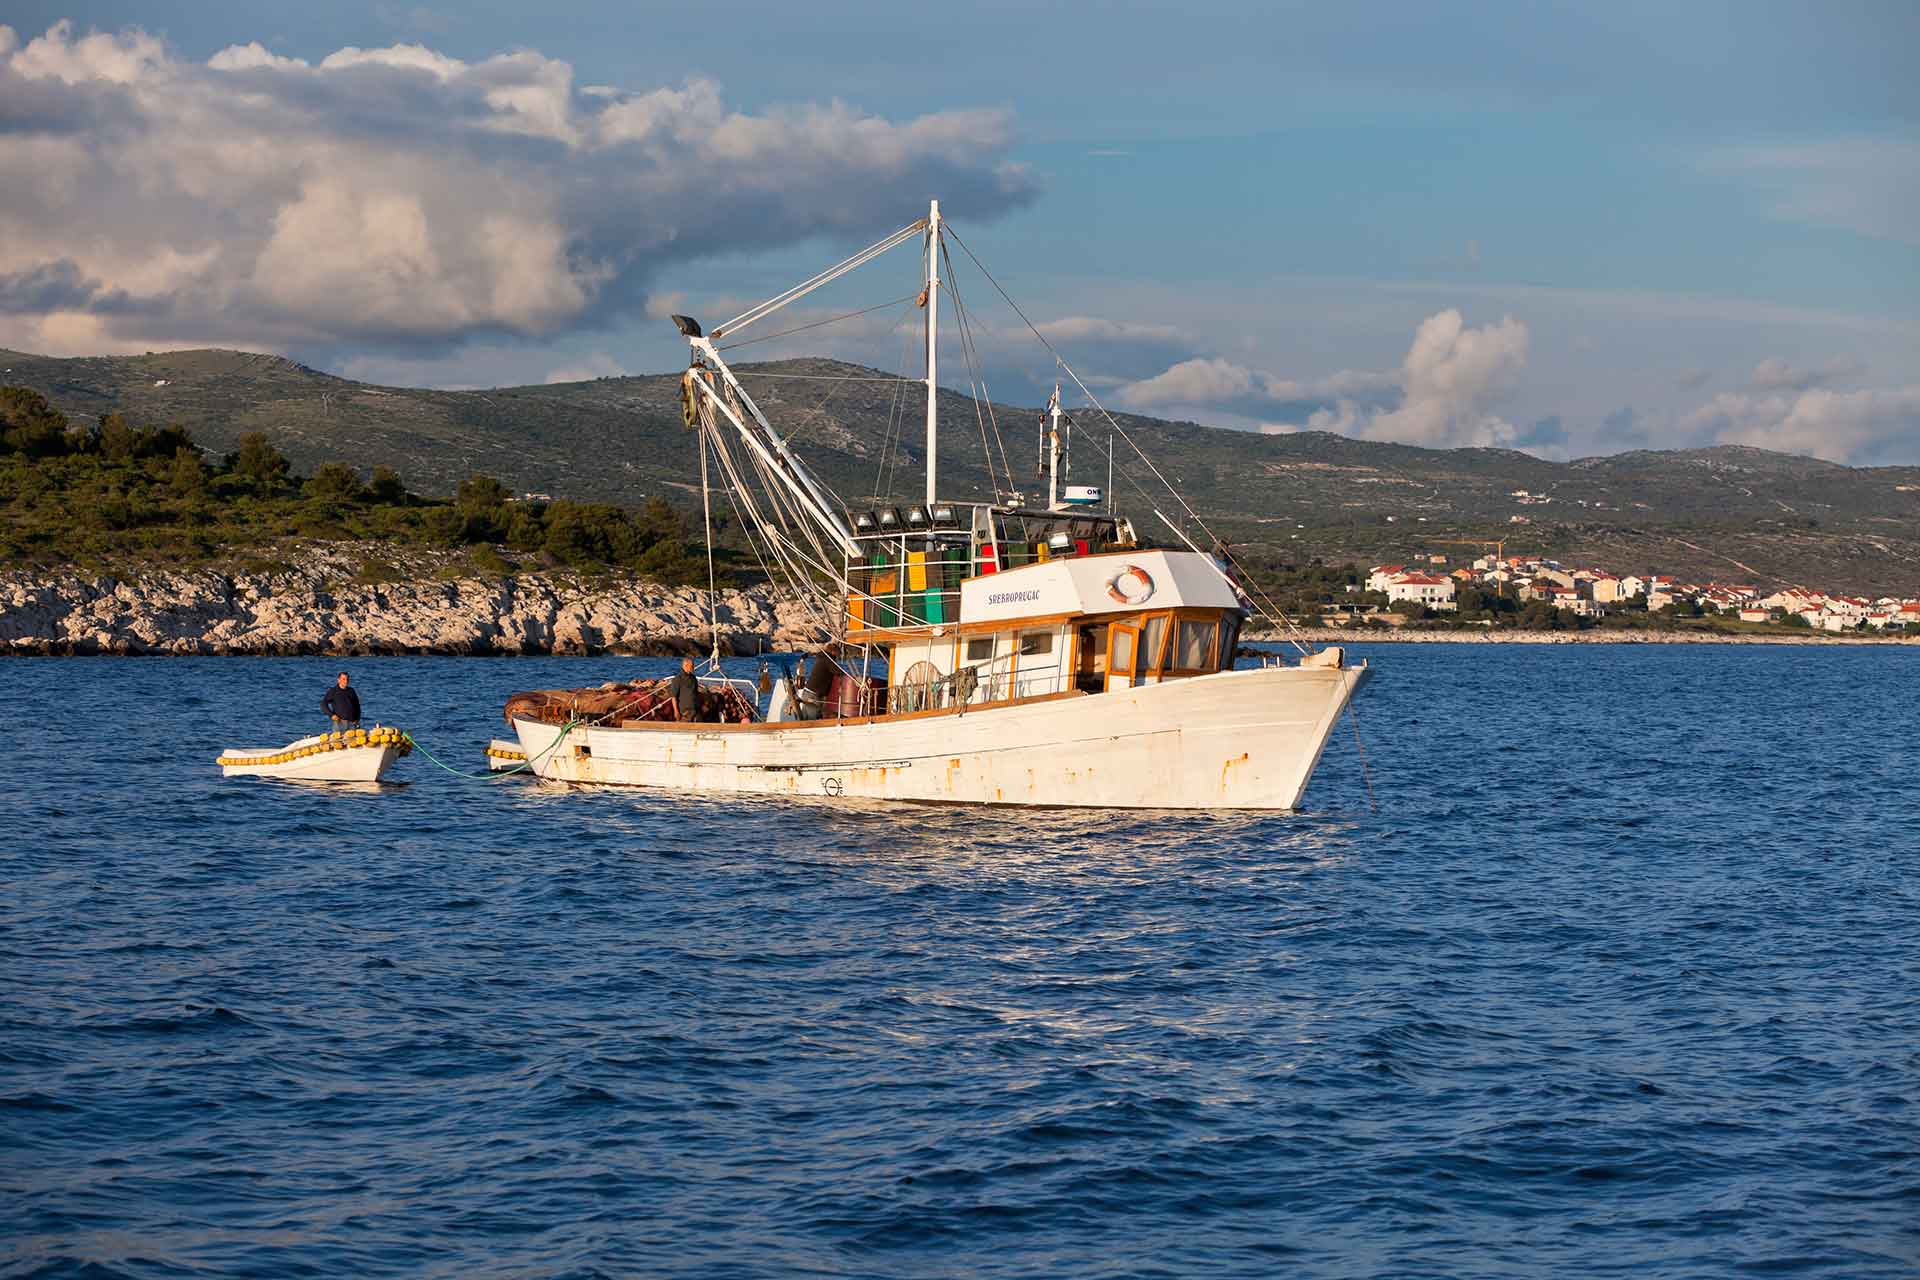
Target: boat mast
point(1053, 450)
point(933, 342)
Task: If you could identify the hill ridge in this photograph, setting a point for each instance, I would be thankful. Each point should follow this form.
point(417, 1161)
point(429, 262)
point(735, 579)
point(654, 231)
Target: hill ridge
point(620, 439)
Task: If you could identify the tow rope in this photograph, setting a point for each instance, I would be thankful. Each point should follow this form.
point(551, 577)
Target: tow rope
point(494, 775)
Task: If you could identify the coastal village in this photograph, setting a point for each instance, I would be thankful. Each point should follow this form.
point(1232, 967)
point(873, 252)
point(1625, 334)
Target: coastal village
point(1433, 586)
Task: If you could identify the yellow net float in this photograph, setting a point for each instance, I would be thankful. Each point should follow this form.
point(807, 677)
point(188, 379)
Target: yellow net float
point(342, 741)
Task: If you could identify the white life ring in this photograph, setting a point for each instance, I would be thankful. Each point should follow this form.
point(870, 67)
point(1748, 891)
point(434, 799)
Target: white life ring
point(1132, 585)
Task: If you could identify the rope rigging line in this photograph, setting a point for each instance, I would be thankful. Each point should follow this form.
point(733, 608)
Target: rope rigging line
point(851, 315)
point(706, 512)
point(1272, 610)
point(754, 537)
point(812, 505)
point(820, 410)
point(777, 499)
point(895, 416)
point(892, 444)
point(977, 382)
point(792, 558)
point(773, 304)
point(822, 377)
point(976, 388)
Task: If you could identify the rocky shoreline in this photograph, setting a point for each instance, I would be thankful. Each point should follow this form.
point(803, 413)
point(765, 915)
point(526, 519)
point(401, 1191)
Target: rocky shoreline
point(320, 603)
point(318, 599)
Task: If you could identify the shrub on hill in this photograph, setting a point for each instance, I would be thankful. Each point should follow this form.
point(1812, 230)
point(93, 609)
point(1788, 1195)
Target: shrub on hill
point(118, 491)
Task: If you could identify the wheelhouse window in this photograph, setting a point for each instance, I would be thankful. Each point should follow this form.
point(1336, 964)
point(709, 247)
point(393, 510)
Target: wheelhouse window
point(980, 649)
point(1153, 638)
point(1035, 643)
point(1229, 641)
point(1193, 646)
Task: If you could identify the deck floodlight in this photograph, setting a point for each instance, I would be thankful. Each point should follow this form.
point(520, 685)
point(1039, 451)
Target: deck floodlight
point(943, 516)
point(689, 327)
point(916, 517)
point(864, 522)
point(889, 519)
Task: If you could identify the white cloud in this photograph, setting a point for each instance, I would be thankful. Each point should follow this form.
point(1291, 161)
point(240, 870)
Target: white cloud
point(1841, 426)
point(1213, 382)
point(597, 365)
point(1451, 373)
point(1199, 381)
point(1866, 185)
point(1096, 329)
point(1440, 395)
point(404, 196)
point(1777, 375)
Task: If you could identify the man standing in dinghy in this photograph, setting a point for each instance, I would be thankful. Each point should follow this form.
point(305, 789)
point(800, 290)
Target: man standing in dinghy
point(341, 704)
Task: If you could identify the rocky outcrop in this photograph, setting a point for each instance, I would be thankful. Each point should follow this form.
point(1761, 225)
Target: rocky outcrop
point(319, 604)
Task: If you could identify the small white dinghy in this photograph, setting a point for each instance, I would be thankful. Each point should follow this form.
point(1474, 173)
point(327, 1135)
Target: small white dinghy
point(356, 755)
point(505, 756)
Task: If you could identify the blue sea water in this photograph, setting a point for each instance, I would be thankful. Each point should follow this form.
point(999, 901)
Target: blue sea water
point(1622, 978)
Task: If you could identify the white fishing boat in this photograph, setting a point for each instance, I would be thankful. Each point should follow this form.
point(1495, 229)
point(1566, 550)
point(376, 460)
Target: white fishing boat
point(356, 755)
point(1012, 651)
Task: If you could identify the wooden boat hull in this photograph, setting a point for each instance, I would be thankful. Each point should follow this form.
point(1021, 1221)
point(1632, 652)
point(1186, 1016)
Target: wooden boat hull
point(1232, 740)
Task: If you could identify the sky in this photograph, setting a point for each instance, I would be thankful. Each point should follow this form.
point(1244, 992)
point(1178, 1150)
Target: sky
point(1574, 229)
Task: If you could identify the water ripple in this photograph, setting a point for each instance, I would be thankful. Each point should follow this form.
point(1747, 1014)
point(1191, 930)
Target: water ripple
point(1620, 980)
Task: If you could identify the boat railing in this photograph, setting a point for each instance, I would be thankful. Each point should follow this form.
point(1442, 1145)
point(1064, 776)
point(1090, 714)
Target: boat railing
point(969, 686)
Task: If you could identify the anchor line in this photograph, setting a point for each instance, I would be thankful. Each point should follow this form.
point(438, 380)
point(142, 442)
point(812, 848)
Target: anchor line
point(1366, 771)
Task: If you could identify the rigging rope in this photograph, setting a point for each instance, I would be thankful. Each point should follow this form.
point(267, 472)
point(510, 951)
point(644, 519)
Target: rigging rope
point(1272, 610)
point(975, 371)
point(706, 511)
point(820, 377)
point(891, 445)
point(866, 255)
point(820, 410)
point(1366, 773)
point(878, 306)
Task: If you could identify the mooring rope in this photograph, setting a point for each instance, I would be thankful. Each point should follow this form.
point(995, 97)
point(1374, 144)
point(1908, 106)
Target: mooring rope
point(1366, 771)
point(494, 775)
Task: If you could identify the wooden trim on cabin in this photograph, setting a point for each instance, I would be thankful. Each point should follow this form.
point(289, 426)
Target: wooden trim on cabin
point(901, 635)
point(762, 726)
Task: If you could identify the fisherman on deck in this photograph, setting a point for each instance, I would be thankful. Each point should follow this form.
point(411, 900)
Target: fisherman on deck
point(685, 690)
point(341, 704)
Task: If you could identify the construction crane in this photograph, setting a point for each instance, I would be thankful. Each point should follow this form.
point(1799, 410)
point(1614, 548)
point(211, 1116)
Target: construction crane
point(1499, 558)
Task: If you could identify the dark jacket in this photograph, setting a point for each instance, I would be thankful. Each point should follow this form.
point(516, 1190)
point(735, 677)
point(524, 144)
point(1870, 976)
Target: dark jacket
point(686, 694)
point(341, 704)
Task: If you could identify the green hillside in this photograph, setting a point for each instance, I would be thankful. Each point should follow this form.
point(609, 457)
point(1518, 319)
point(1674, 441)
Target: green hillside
point(1727, 512)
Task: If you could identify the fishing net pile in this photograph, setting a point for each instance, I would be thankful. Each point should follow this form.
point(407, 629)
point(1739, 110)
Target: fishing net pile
point(632, 702)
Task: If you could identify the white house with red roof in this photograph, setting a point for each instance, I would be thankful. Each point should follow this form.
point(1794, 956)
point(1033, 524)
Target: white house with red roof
point(1381, 574)
point(1431, 590)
